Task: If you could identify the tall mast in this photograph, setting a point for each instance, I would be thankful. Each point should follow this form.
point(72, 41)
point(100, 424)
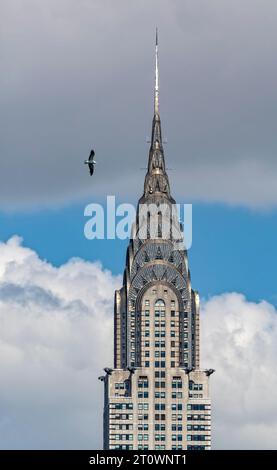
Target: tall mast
point(156, 99)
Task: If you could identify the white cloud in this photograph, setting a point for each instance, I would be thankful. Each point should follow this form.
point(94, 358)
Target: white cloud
point(240, 341)
point(56, 336)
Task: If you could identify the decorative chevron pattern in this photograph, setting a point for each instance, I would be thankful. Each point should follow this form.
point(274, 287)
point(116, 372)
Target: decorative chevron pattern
point(156, 252)
point(159, 272)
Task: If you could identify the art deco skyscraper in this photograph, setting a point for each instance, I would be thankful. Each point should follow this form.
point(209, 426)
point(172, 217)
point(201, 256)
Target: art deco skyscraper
point(156, 396)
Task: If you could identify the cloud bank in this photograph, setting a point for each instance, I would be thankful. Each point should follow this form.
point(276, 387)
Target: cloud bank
point(56, 336)
point(77, 75)
point(239, 338)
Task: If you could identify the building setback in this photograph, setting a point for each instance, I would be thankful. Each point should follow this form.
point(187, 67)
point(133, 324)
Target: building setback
point(156, 396)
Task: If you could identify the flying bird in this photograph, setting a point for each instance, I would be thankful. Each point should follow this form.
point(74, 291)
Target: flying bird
point(91, 162)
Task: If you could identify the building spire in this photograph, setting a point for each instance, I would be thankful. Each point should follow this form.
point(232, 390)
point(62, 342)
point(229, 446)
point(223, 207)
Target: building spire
point(156, 180)
point(156, 124)
point(156, 99)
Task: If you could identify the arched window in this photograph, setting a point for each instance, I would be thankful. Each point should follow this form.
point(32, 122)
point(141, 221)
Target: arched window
point(159, 303)
point(159, 308)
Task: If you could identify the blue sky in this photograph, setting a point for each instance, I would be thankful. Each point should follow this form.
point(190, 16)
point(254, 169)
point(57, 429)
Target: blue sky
point(234, 249)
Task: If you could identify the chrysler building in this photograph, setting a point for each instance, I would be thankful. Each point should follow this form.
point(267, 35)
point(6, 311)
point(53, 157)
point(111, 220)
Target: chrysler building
point(156, 396)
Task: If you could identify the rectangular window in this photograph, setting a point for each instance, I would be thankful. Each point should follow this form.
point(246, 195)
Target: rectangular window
point(143, 406)
point(197, 407)
point(160, 406)
point(142, 394)
point(120, 386)
point(195, 386)
point(176, 382)
point(160, 373)
point(143, 381)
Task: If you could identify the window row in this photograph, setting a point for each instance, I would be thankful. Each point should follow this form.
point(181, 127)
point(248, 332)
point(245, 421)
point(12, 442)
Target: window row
point(121, 437)
point(198, 437)
point(121, 447)
point(174, 395)
point(198, 427)
point(159, 303)
point(197, 407)
point(118, 416)
point(198, 417)
point(121, 406)
point(160, 344)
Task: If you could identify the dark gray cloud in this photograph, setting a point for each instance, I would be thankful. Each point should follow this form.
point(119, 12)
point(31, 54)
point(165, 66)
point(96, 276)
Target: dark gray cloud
point(76, 75)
